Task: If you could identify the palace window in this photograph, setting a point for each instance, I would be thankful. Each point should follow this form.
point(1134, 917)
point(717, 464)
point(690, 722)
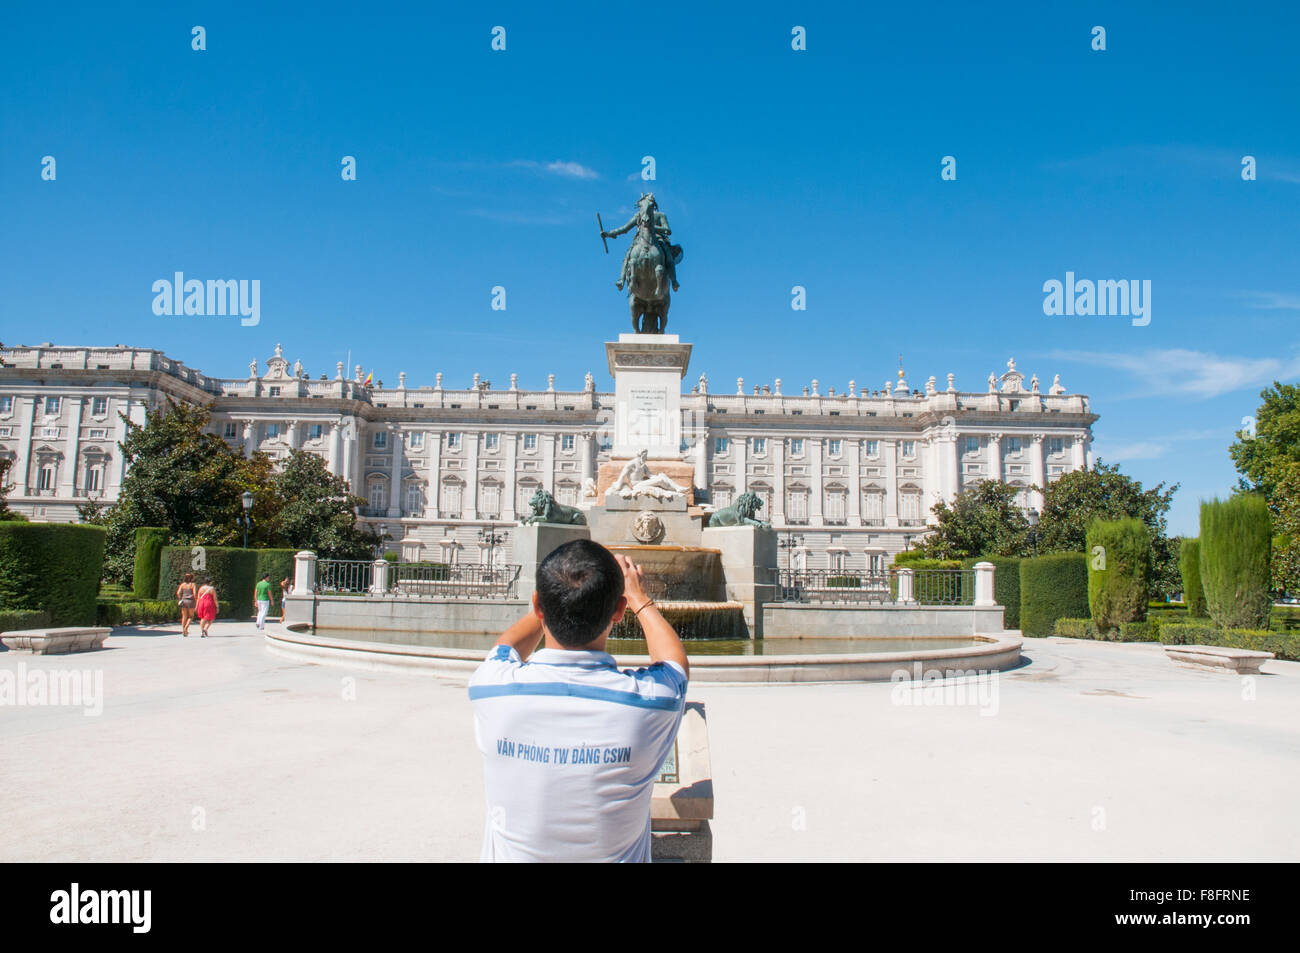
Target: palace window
point(835, 508)
point(764, 493)
point(51, 405)
point(873, 448)
point(721, 495)
point(606, 444)
point(567, 494)
point(275, 392)
point(414, 499)
point(972, 444)
point(1013, 445)
point(526, 489)
point(491, 501)
point(796, 447)
point(566, 442)
point(796, 505)
point(98, 434)
point(315, 431)
point(6, 431)
point(414, 440)
point(453, 441)
point(837, 560)
point(272, 431)
point(98, 406)
point(451, 498)
point(491, 441)
point(873, 507)
point(909, 449)
point(1055, 445)
point(232, 430)
point(909, 506)
point(720, 445)
point(833, 447)
point(760, 445)
point(381, 440)
point(378, 495)
point(92, 479)
point(6, 405)
point(530, 441)
point(49, 431)
point(47, 479)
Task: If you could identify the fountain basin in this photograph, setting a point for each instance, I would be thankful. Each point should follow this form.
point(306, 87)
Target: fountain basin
point(678, 573)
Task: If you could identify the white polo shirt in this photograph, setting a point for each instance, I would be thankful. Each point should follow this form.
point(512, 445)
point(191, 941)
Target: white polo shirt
point(571, 749)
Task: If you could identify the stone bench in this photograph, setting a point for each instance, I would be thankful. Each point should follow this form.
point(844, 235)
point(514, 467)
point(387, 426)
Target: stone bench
point(59, 641)
point(1218, 658)
point(682, 803)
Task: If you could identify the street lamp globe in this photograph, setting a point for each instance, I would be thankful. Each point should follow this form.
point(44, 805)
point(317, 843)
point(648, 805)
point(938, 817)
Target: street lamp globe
point(248, 500)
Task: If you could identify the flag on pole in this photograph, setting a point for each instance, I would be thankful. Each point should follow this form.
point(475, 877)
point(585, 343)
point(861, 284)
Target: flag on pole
point(369, 379)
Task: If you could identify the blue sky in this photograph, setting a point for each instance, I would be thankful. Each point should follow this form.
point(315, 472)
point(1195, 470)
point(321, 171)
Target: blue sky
point(776, 168)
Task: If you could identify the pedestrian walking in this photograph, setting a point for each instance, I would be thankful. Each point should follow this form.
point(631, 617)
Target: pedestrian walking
point(186, 598)
point(262, 596)
point(207, 607)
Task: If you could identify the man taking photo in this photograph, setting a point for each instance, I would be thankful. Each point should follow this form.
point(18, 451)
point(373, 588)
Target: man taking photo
point(571, 745)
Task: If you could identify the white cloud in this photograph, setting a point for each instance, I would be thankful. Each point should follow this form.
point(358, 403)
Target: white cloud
point(1190, 373)
point(1141, 450)
point(568, 170)
point(1274, 301)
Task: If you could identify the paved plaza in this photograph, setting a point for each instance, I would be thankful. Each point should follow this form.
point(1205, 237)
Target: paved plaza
point(216, 750)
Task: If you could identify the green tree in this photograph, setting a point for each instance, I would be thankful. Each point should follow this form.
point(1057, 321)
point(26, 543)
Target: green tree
point(1267, 455)
point(314, 510)
point(983, 520)
point(184, 478)
point(1075, 499)
point(1119, 572)
point(1236, 542)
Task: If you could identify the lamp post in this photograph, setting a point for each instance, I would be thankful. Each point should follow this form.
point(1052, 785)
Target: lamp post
point(791, 542)
point(1033, 529)
point(493, 540)
point(247, 517)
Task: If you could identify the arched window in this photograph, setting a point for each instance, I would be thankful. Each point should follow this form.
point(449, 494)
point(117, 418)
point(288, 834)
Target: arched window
point(835, 505)
point(873, 506)
point(452, 496)
point(909, 505)
point(796, 504)
point(490, 500)
point(377, 496)
point(414, 498)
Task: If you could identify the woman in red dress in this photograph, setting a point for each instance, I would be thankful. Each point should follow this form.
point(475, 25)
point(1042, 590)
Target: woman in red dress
point(207, 607)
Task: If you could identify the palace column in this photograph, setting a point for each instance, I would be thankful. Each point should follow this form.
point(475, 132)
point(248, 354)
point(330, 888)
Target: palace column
point(853, 452)
point(740, 448)
point(818, 493)
point(995, 456)
point(349, 438)
point(27, 425)
point(889, 456)
point(778, 484)
point(433, 444)
point(68, 483)
point(336, 448)
point(291, 434)
point(1079, 452)
point(588, 456)
point(469, 502)
point(250, 441)
point(1036, 472)
point(702, 462)
point(509, 505)
point(951, 467)
point(395, 473)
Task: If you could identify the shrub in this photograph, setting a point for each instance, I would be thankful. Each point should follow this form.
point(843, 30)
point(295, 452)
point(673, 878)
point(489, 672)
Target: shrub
point(1189, 567)
point(143, 612)
point(149, 541)
point(1236, 536)
point(1052, 587)
point(843, 582)
point(233, 572)
point(1119, 571)
point(1006, 584)
point(52, 566)
point(1074, 629)
point(1139, 631)
point(1285, 645)
point(279, 564)
point(13, 620)
point(909, 556)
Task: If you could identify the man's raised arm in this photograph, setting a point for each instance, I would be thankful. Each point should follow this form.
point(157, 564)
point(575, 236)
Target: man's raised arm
point(662, 643)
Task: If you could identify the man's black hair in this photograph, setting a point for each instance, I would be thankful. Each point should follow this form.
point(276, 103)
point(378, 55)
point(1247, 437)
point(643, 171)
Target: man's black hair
point(578, 586)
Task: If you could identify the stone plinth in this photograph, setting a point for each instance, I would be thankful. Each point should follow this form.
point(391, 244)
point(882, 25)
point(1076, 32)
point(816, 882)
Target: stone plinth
point(534, 542)
point(676, 469)
point(1217, 658)
point(681, 808)
point(60, 641)
point(748, 563)
point(614, 523)
point(648, 371)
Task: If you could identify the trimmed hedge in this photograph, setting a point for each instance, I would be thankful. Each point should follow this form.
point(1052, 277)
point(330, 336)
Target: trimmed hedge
point(1052, 587)
point(14, 620)
point(1189, 567)
point(1006, 584)
point(909, 556)
point(1236, 541)
point(144, 612)
point(149, 541)
point(1148, 631)
point(1119, 572)
point(279, 564)
point(933, 590)
point(233, 572)
point(1285, 645)
point(52, 566)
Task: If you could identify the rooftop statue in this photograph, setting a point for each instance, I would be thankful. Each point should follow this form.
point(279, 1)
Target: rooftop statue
point(649, 266)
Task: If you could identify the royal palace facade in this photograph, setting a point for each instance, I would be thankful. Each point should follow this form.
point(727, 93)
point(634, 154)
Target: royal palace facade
point(847, 476)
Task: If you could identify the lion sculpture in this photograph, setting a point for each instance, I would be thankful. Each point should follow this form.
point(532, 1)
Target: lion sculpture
point(546, 510)
point(740, 513)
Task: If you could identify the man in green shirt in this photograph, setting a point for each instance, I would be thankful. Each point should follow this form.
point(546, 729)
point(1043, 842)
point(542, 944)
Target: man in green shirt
point(262, 596)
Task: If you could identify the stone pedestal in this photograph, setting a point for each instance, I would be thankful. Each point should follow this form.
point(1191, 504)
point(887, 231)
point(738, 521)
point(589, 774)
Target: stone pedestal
point(749, 565)
point(534, 542)
point(682, 803)
point(648, 371)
